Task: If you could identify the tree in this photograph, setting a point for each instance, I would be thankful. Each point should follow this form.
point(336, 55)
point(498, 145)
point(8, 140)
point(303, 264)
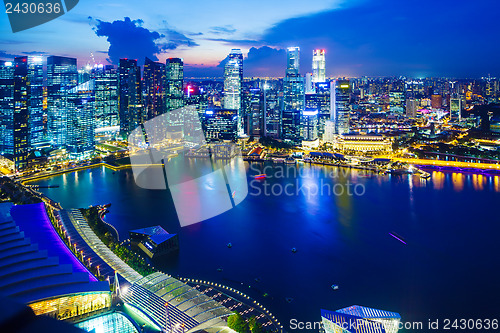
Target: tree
point(237, 323)
point(254, 325)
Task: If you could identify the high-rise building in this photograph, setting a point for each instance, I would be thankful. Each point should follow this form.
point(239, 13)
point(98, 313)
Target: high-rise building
point(292, 61)
point(456, 107)
point(293, 98)
point(318, 66)
point(106, 114)
point(154, 88)
point(21, 113)
point(273, 98)
point(357, 318)
point(80, 107)
point(310, 126)
point(129, 95)
point(253, 112)
point(174, 84)
point(220, 125)
point(35, 77)
point(233, 78)
point(6, 108)
point(411, 108)
point(339, 103)
point(310, 87)
point(62, 76)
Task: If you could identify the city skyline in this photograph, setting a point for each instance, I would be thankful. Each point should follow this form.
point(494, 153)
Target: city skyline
point(370, 38)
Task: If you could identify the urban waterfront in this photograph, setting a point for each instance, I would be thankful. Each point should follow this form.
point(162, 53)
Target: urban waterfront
point(447, 269)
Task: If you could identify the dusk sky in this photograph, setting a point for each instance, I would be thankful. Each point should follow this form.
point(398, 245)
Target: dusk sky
point(361, 37)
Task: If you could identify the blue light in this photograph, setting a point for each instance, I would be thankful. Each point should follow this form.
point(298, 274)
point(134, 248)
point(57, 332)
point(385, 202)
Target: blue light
point(209, 112)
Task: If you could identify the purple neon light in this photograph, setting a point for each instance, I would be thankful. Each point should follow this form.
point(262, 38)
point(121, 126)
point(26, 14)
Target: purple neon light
point(33, 220)
point(396, 237)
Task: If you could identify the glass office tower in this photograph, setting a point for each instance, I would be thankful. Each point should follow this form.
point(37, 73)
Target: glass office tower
point(154, 88)
point(233, 78)
point(174, 84)
point(62, 75)
point(106, 115)
point(35, 77)
point(6, 108)
point(129, 95)
point(21, 113)
point(318, 66)
point(339, 101)
point(293, 98)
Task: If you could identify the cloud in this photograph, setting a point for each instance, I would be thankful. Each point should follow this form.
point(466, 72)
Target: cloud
point(262, 61)
point(225, 30)
point(7, 56)
point(35, 53)
point(176, 39)
point(129, 39)
point(393, 37)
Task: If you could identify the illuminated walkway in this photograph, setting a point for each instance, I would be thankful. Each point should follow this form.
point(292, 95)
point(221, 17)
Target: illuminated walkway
point(91, 239)
point(454, 164)
point(174, 305)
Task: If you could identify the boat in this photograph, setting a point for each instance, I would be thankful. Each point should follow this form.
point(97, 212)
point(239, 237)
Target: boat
point(335, 287)
point(219, 269)
point(425, 175)
point(294, 250)
point(261, 176)
point(289, 299)
point(229, 245)
point(289, 160)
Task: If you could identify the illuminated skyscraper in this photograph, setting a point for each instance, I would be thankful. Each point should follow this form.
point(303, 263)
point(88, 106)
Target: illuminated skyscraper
point(35, 77)
point(21, 113)
point(129, 95)
point(233, 78)
point(293, 98)
point(411, 108)
point(106, 115)
point(456, 106)
point(6, 107)
point(62, 75)
point(154, 88)
point(339, 103)
point(310, 125)
point(81, 123)
point(318, 66)
point(174, 84)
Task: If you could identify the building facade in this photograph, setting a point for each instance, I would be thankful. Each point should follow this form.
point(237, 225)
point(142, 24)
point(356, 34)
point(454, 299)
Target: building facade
point(293, 98)
point(319, 66)
point(233, 78)
point(129, 95)
point(154, 88)
point(339, 101)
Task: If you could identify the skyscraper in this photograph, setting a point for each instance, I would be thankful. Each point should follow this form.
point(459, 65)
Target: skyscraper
point(174, 84)
point(154, 88)
point(456, 106)
point(62, 75)
point(293, 98)
point(21, 113)
point(106, 115)
point(35, 78)
point(411, 108)
point(339, 103)
point(129, 95)
point(6, 107)
point(80, 107)
point(233, 78)
point(318, 66)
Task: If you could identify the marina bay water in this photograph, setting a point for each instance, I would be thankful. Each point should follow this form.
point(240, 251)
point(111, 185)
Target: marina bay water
point(448, 268)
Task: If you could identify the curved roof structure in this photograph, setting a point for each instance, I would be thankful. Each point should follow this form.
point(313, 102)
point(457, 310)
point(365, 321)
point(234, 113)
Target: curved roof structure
point(186, 305)
point(34, 262)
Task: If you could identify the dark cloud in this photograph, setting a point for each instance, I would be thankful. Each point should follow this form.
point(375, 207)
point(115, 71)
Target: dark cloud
point(176, 39)
point(237, 42)
point(226, 30)
point(393, 37)
point(129, 39)
point(7, 56)
point(35, 53)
